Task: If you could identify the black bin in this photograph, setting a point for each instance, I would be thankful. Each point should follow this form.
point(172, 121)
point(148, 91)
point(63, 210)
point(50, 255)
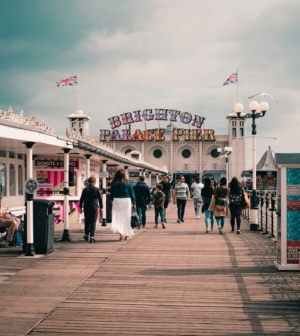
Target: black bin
point(108, 209)
point(43, 227)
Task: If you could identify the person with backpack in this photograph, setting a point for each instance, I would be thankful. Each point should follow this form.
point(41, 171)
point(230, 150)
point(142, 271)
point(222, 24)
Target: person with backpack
point(142, 195)
point(219, 204)
point(235, 204)
point(159, 200)
point(207, 194)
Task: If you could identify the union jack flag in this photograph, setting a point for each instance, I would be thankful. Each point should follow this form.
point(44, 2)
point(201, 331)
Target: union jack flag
point(232, 79)
point(71, 81)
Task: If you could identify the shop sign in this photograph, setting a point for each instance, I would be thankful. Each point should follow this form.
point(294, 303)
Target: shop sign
point(31, 186)
point(104, 174)
point(184, 134)
point(54, 163)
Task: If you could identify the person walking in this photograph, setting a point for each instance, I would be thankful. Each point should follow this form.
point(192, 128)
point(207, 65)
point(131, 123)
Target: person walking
point(181, 195)
point(123, 199)
point(159, 200)
point(235, 204)
point(213, 184)
point(142, 195)
point(90, 197)
point(219, 204)
point(207, 193)
point(196, 187)
point(167, 190)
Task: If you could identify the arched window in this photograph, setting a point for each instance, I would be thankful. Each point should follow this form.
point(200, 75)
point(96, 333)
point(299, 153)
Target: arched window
point(20, 180)
point(12, 180)
point(157, 153)
point(241, 132)
point(128, 151)
point(2, 179)
point(234, 132)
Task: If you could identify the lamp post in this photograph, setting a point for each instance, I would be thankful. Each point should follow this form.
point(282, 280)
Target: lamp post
point(257, 111)
point(226, 153)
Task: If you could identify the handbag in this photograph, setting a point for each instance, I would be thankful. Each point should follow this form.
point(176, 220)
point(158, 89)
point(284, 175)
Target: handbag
point(135, 221)
point(245, 203)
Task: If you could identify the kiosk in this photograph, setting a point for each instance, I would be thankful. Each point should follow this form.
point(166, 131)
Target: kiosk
point(288, 223)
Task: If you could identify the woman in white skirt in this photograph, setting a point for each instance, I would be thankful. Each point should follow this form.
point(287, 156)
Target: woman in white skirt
point(123, 199)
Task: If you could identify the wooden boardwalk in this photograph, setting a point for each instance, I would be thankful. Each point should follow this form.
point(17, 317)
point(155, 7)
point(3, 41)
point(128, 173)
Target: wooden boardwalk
point(178, 281)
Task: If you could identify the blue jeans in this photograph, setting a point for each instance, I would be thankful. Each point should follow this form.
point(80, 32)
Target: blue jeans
point(141, 211)
point(197, 205)
point(159, 212)
point(220, 221)
point(209, 214)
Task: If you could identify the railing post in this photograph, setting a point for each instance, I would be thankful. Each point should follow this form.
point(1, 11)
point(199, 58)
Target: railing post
point(273, 200)
point(261, 209)
point(267, 208)
point(248, 212)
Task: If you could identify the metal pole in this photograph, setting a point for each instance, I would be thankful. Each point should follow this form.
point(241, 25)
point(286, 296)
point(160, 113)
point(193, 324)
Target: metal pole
point(261, 210)
point(227, 174)
point(126, 172)
point(267, 209)
point(29, 202)
point(66, 234)
point(104, 221)
point(88, 165)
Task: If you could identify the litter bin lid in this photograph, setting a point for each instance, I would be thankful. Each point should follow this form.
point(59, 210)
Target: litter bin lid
point(43, 203)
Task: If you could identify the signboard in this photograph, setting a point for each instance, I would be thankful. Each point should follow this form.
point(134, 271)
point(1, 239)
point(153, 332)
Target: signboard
point(54, 163)
point(31, 186)
point(293, 215)
point(104, 174)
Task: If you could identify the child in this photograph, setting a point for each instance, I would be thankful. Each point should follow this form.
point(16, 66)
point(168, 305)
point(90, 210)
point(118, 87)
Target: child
point(159, 199)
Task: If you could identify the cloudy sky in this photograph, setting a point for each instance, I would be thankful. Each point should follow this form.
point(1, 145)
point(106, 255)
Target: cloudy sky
point(132, 55)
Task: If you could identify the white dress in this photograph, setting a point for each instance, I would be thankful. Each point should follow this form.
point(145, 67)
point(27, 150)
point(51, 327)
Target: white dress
point(121, 217)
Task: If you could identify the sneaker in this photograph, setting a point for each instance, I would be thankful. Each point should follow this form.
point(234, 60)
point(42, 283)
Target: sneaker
point(156, 226)
point(238, 231)
point(182, 220)
point(207, 231)
point(212, 229)
point(198, 217)
point(232, 230)
point(220, 230)
point(178, 220)
point(92, 240)
point(163, 225)
point(86, 237)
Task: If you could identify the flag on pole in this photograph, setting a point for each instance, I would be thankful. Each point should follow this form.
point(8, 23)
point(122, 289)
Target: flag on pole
point(71, 81)
point(231, 79)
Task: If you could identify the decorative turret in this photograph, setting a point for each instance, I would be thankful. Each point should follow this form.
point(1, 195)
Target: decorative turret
point(79, 123)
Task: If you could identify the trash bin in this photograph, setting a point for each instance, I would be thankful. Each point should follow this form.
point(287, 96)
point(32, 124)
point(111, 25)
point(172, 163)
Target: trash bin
point(43, 227)
point(108, 209)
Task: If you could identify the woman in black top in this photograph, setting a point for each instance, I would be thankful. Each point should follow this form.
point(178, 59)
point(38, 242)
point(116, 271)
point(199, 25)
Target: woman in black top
point(207, 193)
point(235, 199)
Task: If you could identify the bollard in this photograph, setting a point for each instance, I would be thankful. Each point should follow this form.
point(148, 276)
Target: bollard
point(267, 208)
point(261, 209)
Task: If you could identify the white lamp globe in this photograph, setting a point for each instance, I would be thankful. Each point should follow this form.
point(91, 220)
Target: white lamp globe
point(219, 150)
point(226, 149)
point(238, 108)
point(264, 106)
point(253, 106)
point(230, 149)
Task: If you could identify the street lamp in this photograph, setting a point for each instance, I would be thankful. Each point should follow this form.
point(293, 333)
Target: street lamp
point(227, 151)
point(258, 111)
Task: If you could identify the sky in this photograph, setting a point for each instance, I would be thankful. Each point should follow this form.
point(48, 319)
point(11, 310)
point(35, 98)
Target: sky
point(135, 55)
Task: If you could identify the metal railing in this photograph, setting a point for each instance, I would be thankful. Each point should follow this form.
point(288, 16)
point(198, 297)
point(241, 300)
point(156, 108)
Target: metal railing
point(267, 217)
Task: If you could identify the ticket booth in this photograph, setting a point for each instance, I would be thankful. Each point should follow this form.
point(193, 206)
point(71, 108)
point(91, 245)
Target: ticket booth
point(288, 210)
point(49, 172)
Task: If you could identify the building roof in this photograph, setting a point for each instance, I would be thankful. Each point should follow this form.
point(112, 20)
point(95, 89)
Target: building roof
point(234, 115)
point(267, 162)
point(78, 114)
point(287, 158)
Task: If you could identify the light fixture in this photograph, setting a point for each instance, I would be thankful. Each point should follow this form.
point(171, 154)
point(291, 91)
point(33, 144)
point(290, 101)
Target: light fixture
point(253, 106)
point(263, 106)
point(238, 108)
point(219, 150)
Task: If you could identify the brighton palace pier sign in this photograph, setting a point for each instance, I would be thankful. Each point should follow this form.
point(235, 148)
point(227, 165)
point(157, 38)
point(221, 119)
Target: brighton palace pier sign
point(128, 118)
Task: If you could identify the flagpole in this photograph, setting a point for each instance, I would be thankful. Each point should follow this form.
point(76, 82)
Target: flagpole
point(77, 92)
point(237, 87)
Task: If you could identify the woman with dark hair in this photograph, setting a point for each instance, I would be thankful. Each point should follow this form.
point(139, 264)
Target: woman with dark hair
point(207, 193)
point(220, 204)
point(123, 199)
point(213, 184)
point(235, 201)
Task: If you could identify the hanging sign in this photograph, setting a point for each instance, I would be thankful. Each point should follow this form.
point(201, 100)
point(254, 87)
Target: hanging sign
point(31, 185)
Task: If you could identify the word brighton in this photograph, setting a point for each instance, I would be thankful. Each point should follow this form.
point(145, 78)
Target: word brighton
point(158, 135)
point(160, 114)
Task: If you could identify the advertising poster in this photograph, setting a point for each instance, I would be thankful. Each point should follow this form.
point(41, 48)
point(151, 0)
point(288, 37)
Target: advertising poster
point(293, 215)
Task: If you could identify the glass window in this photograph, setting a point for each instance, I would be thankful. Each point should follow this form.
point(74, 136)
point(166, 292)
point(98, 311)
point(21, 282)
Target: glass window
point(20, 156)
point(157, 153)
point(186, 153)
point(128, 151)
point(20, 180)
point(11, 155)
point(2, 179)
point(12, 180)
point(214, 153)
point(242, 123)
point(234, 132)
point(2, 153)
point(241, 132)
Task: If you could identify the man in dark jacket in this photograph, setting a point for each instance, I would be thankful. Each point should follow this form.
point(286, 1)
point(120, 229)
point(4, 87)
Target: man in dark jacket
point(142, 196)
point(89, 198)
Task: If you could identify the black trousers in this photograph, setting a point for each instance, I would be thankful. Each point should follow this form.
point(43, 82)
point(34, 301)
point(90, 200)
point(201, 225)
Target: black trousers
point(90, 218)
point(181, 208)
point(235, 213)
